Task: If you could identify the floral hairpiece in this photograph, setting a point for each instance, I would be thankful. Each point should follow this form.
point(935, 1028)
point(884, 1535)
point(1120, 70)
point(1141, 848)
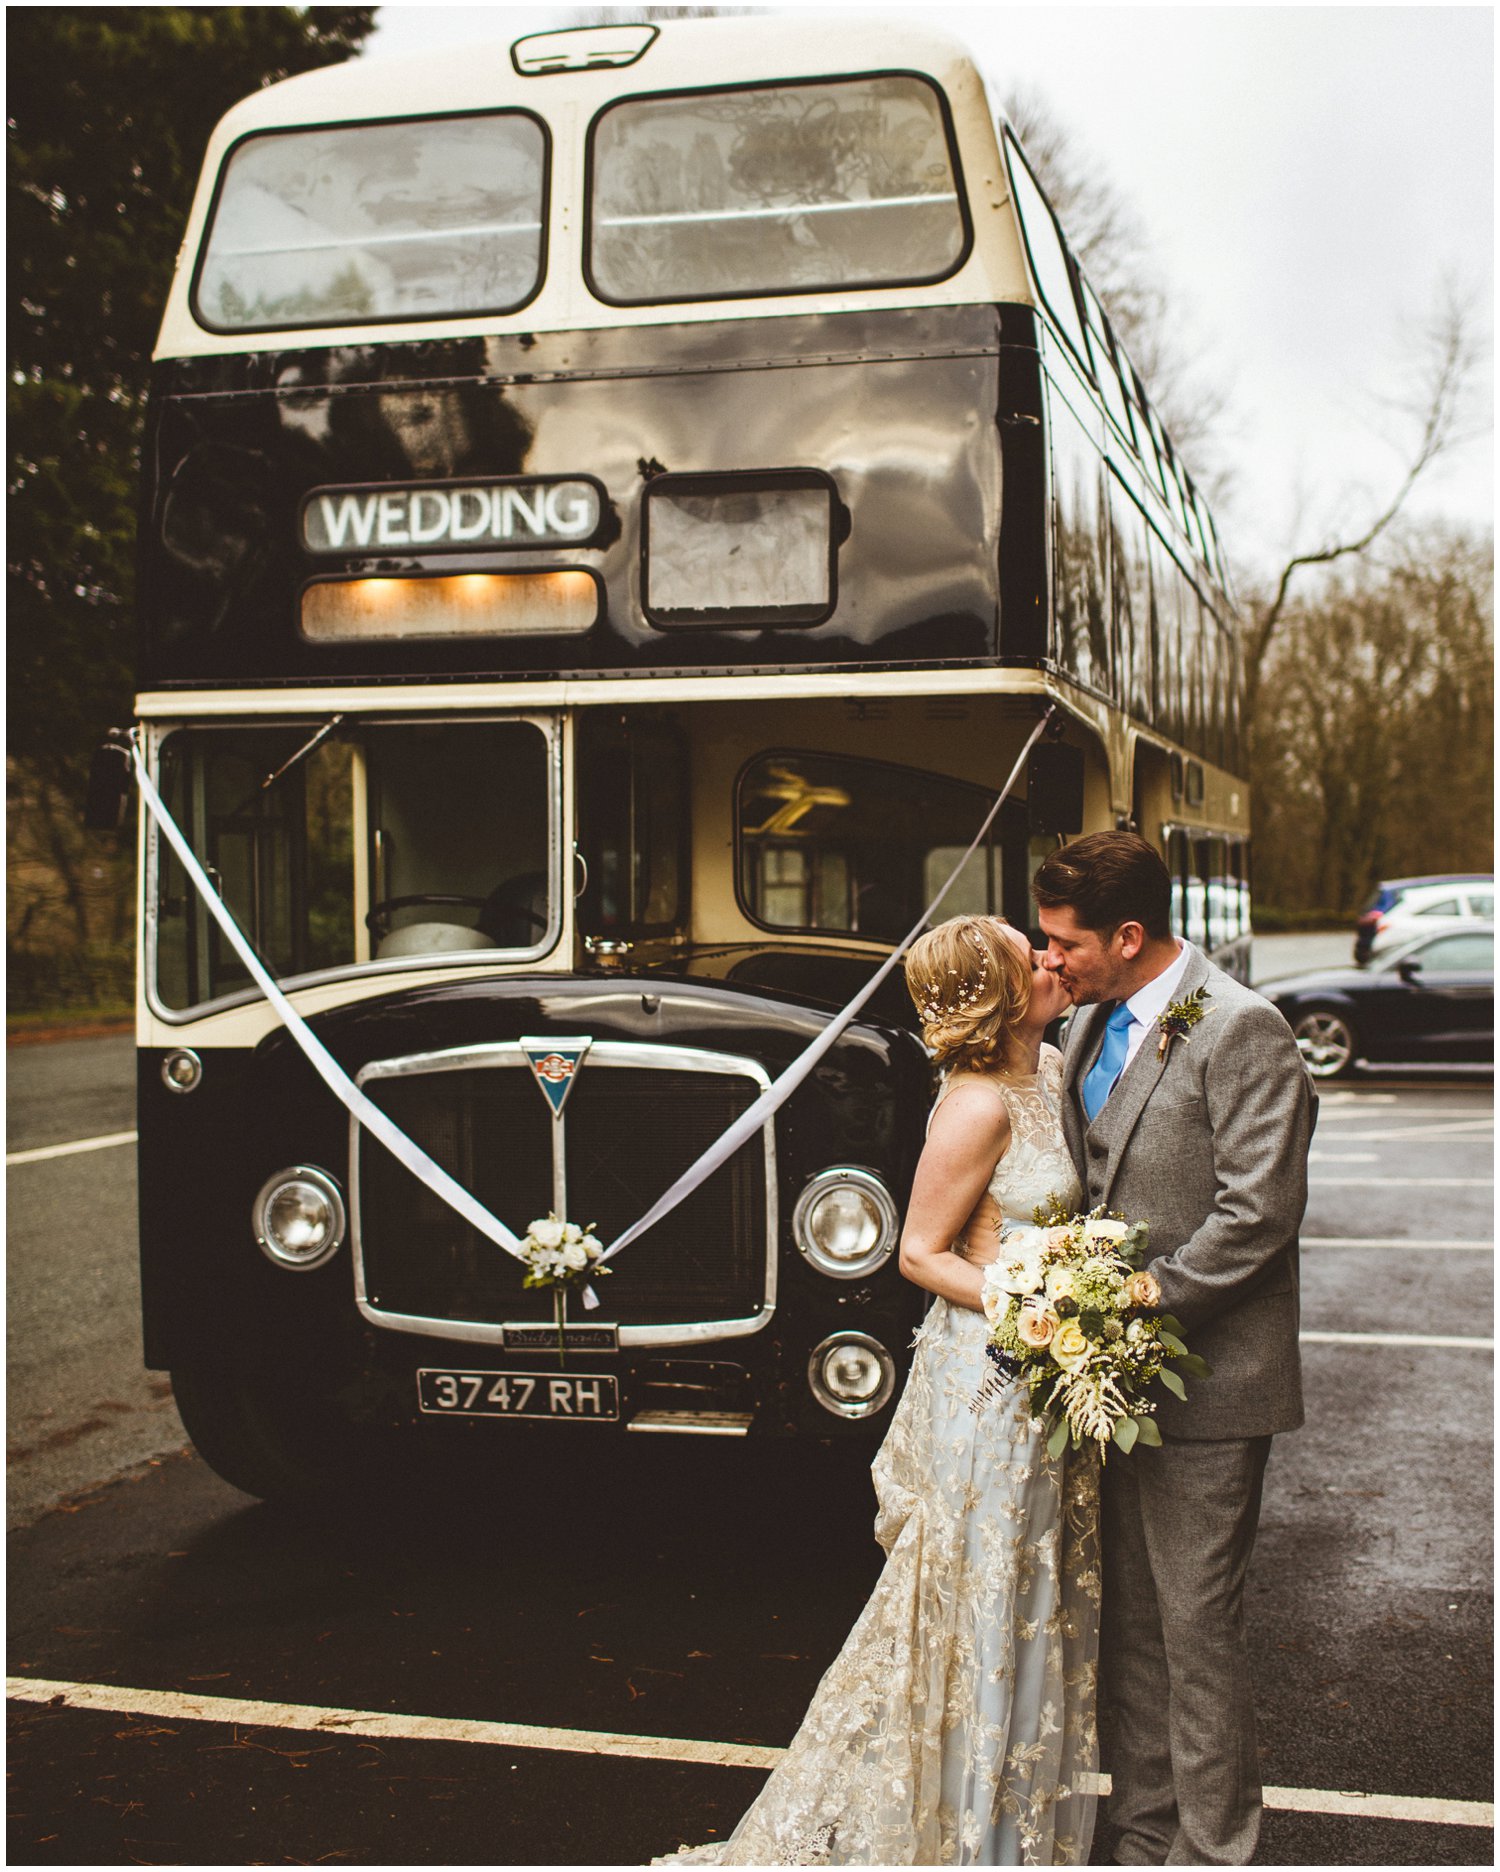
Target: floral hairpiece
point(936, 1013)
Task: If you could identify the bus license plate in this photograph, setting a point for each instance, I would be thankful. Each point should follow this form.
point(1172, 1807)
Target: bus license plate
point(574, 1396)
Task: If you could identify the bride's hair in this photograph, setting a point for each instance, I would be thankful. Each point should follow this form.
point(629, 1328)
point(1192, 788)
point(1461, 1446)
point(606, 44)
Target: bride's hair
point(971, 985)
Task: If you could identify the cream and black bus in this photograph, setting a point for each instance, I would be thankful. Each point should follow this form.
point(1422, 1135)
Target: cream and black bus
point(615, 506)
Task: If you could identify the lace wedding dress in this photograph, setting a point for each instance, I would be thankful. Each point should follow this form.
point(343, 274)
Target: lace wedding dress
point(956, 1723)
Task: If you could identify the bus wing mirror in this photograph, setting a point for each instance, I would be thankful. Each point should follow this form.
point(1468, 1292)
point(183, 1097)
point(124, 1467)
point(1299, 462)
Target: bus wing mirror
point(110, 787)
point(1054, 789)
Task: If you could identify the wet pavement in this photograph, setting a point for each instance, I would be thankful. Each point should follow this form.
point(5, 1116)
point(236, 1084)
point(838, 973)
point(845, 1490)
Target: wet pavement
point(690, 1589)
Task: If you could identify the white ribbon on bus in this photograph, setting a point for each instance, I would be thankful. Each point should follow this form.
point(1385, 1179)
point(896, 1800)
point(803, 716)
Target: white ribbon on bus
point(432, 1173)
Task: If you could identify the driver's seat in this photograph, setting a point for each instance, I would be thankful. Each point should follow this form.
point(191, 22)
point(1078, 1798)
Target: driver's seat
point(431, 939)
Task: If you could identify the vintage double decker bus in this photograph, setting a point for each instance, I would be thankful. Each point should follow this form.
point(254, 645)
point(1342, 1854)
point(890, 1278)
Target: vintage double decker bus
point(615, 508)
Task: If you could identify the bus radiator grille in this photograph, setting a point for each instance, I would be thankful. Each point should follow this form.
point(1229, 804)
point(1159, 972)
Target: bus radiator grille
point(630, 1132)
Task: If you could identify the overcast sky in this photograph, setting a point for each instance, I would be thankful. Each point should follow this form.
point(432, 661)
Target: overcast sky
point(1308, 177)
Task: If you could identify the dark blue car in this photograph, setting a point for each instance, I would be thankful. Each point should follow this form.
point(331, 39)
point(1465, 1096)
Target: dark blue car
point(1433, 1000)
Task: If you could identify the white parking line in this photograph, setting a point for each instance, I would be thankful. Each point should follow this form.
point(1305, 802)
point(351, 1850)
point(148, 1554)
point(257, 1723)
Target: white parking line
point(1461, 1130)
point(1365, 1182)
point(1397, 1338)
point(1317, 1156)
point(1393, 1241)
point(108, 1142)
point(317, 1720)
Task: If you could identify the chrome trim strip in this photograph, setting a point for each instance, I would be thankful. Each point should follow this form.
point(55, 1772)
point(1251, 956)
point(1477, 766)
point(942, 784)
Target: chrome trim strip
point(607, 1054)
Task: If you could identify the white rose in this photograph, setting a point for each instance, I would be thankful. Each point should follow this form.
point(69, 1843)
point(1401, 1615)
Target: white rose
point(992, 1296)
point(575, 1256)
point(572, 1232)
point(1019, 1272)
point(1060, 1283)
point(1104, 1232)
point(547, 1232)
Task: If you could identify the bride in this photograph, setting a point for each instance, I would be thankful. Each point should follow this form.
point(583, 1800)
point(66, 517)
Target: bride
point(955, 1726)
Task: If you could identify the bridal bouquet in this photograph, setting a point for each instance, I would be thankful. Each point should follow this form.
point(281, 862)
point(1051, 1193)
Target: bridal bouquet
point(1072, 1311)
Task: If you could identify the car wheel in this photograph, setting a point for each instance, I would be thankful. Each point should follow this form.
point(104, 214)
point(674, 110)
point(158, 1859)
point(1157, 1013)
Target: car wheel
point(1326, 1041)
point(268, 1438)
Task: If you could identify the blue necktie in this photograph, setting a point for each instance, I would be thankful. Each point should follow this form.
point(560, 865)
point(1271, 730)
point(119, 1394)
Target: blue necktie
point(1101, 1076)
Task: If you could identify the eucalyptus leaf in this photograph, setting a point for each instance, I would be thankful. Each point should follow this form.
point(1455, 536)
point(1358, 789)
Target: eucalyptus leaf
point(1058, 1441)
point(1169, 1322)
point(1171, 1341)
point(1194, 1366)
point(1173, 1383)
point(1126, 1431)
point(1149, 1434)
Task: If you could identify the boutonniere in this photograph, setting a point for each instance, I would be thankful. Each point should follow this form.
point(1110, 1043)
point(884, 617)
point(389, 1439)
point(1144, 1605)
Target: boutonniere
point(1180, 1018)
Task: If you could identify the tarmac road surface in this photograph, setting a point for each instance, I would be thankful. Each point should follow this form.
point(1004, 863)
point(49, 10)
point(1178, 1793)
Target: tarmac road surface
point(544, 1660)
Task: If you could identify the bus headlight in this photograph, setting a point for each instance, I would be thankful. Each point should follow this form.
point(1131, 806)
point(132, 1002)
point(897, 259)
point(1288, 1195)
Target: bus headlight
point(181, 1070)
point(851, 1374)
point(298, 1218)
point(846, 1223)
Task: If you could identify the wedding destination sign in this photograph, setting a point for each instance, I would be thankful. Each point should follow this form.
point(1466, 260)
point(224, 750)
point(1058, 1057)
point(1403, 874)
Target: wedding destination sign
point(499, 513)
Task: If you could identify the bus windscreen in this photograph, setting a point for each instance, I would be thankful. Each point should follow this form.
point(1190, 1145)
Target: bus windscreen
point(428, 217)
point(773, 189)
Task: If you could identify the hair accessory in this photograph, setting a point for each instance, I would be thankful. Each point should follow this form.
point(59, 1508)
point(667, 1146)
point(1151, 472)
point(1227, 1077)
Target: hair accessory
point(936, 1013)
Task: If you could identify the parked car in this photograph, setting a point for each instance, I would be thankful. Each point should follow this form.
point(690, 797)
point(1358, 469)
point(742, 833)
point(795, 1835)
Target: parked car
point(1391, 916)
point(1432, 999)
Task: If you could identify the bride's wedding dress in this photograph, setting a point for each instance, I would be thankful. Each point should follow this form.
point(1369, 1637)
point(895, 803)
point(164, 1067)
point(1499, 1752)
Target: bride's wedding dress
point(954, 1725)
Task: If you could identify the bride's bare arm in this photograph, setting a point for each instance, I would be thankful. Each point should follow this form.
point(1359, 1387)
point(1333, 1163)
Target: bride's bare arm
point(969, 1135)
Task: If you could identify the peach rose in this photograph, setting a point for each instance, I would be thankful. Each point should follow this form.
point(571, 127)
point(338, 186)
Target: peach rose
point(1036, 1325)
point(1143, 1289)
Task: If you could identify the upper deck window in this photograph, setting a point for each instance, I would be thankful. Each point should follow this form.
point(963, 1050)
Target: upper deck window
point(423, 218)
point(782, 188)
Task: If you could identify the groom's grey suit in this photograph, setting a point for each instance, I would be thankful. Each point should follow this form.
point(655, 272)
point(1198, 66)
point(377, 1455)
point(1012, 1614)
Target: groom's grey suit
point(1208, 1145)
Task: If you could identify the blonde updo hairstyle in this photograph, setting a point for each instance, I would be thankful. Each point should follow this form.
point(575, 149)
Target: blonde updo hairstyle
point(972, 986)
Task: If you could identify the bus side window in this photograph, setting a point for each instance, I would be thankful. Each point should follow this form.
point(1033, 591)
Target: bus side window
point(1044, 247)
point(1130, 587)
point(1081, 546)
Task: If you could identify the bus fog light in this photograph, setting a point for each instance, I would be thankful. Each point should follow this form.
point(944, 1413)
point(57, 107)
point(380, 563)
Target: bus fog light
point(298, 1218)
point(851, 1374)
point(181, 1070)
point(845, 1223)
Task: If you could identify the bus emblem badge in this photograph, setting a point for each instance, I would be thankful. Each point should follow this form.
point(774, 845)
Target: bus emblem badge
point(554, 1064)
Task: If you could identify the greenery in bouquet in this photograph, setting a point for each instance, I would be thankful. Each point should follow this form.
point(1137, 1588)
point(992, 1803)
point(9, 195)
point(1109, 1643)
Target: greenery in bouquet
point(1072, 1312)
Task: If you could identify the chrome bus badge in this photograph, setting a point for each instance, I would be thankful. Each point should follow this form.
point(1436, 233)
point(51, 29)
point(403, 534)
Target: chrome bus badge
point(554, 1065)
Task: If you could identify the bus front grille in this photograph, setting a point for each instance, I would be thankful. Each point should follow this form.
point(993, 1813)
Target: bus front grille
point(630, 1127)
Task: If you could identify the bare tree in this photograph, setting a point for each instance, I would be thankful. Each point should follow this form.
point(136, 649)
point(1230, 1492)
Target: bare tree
point(1437, 410)
point(648, 15)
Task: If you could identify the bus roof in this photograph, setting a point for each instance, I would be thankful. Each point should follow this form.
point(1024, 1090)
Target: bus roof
point(684, 55)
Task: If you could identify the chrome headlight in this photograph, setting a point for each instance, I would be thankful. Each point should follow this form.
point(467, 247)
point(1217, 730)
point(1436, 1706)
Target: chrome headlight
point(846, 1223)
point(181, 1070)
point(851, 1374)
point(298, 1218)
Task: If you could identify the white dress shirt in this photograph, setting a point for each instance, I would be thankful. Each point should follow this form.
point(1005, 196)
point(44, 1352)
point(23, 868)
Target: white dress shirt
point(1149, 1003)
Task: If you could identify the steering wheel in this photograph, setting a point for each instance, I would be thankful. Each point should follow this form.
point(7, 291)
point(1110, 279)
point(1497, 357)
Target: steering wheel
point(378, 918)
point(512, 898)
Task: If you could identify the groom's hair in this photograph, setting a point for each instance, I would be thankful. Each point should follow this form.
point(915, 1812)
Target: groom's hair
point(1106, 879)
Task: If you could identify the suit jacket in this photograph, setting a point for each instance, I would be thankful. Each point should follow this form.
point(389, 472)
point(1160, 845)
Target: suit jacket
point(1208, 1146)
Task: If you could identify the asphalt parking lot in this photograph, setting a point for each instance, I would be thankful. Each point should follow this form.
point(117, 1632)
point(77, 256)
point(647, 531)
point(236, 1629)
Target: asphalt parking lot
point(540, 1657)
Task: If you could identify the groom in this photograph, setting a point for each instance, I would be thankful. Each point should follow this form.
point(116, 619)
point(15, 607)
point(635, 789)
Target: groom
point(1187, 1107)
